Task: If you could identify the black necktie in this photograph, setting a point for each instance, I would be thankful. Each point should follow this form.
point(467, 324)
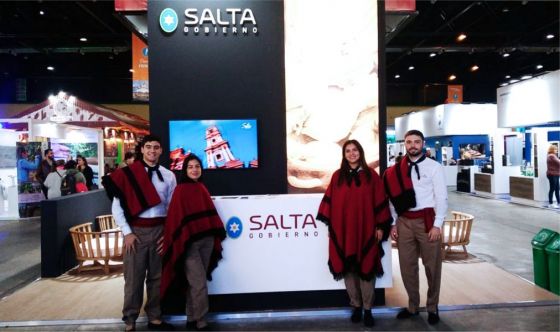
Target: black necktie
point(415, 164)
point(151, 171)
point(356, 176)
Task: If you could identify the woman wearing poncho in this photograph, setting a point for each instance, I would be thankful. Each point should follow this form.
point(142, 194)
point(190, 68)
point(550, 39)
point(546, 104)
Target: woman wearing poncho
point(192, 243)
point(356, 210)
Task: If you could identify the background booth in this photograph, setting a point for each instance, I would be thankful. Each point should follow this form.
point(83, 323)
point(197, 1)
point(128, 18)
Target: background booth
point(8, 175)
point(460, 136)
point(532, 107)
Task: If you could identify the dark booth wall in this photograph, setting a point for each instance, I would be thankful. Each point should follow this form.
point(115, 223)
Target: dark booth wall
point(219, 76)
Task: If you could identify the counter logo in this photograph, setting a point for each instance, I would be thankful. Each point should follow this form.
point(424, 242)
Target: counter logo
point(168, 20)
point(234, 227)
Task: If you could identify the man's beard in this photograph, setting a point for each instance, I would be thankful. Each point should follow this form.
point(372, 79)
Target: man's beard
point(414, 154)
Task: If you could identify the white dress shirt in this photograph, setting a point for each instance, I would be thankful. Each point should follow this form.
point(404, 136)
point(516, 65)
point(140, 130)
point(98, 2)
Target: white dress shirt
point(165, 191)
point(430, 190)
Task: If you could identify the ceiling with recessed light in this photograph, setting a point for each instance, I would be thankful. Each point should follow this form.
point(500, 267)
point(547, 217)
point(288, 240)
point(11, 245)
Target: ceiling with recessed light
point(87, 45)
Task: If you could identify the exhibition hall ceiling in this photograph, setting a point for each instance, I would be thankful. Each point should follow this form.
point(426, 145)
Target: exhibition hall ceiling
point(35, 35)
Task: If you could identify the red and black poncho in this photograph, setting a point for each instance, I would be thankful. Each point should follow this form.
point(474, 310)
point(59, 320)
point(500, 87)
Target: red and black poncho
point(353, 213)
point(191, 216)
point(134, 189)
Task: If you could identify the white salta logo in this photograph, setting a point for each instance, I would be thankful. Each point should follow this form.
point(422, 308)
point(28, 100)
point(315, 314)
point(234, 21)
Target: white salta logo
point(229, 20)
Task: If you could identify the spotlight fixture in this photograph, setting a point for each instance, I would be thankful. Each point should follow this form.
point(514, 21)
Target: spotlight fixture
point(131, 70)
point(505, 55)
point(508, 76)
point(41, 12)
point(452, 77)
point(549, 36)
point(513, 81)
point(474, 68)
point(432, 55)
point(51, 68)
point(461, 37)
point(505, 10)
point(539, 66)
point(397, 76)
point(411, 68)
point(526, 77)
point(503, 84)
point(83, 39)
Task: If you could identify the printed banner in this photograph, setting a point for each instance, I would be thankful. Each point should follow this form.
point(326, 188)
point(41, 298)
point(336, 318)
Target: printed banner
point(131, 5)
point(29, 189)
point(140, 83)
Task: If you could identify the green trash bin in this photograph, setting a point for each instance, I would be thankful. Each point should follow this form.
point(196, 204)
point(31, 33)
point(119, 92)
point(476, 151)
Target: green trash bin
point(553, 255)
point(540, 263)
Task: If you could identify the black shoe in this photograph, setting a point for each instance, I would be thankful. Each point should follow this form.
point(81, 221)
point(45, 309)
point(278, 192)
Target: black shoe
point(163, 326)
point(191, 325)
point(404, 314)
point(433, 318)
point(368, 318)
point(356, 315)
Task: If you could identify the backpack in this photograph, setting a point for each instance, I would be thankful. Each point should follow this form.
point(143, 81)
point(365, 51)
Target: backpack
point(68, 184)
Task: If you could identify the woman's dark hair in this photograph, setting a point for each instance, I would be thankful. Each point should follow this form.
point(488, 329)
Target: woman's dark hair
point(70, 164)
point(184, 177)
point(345, 166)
point(83, 158)
point(128, 155)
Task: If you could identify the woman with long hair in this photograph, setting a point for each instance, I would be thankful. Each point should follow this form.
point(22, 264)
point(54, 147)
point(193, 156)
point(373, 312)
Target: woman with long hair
point(356, 210)
point(86, 170)
point(553, 174)
point(191, 243)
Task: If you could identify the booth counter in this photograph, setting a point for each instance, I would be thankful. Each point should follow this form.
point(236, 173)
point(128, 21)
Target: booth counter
point(275, 244)
point(528, 190)
point(492, 185)
point(465, 178)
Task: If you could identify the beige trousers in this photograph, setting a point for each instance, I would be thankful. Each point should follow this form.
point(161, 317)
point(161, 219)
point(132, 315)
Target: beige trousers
point(141, 266)
point(413, 243)
point(197, 258)
point(361, 292)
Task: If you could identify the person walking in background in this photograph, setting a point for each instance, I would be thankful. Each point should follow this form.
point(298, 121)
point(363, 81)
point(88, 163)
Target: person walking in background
point(553, 174)
point(193, 247)
point(79, 178)
point(418, 194)
point(141, 194)
point(86, 170)
point(54, 179)
point(356, 211)
point(46, 167)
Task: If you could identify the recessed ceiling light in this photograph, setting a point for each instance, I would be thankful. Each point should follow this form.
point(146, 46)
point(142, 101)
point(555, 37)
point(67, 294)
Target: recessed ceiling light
point(505, 10)
point(397, 76)
point(507, 76)
point(549, 36)
point(474, 68)
point(83, 39)
point(432, 55)
point(411, 68)
point(503, 84)
point(513, 81)
point(51, 68)
point(461, 37)
point(505, 55)
point(41, 12)
point(452, 77)
point(526, 77)
point(131, 70)
point(539, 66)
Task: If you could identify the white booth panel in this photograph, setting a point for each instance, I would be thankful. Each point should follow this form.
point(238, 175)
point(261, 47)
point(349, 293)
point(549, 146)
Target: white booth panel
point(282, 247)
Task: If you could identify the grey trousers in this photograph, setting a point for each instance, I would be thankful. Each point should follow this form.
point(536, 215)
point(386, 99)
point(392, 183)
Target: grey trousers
point(142, 266)
point(413, 242)
point(361, 292)
point(197, 258)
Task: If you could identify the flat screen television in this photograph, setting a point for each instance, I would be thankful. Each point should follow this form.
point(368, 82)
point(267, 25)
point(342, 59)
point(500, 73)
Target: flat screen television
point(472, 151)
point(220, 144)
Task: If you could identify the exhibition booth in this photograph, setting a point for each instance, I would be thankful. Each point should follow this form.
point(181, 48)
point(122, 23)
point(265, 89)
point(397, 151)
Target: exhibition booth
point(538, 129)
point(463, 137)
point(23, 144)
